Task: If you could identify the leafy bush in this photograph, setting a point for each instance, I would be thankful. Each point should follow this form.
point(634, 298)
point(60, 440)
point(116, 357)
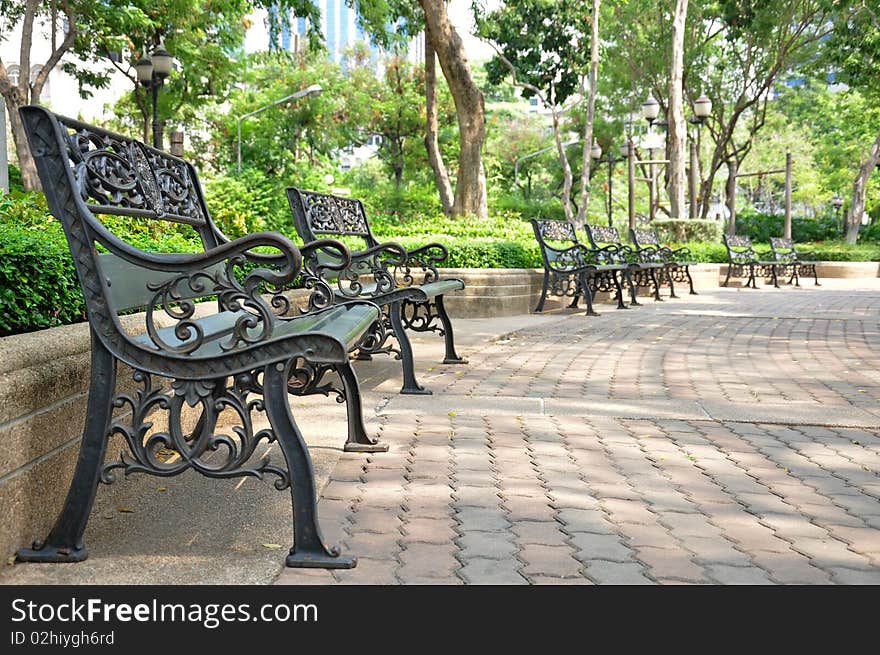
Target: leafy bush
point(483, 252)
point(245, 203)
point(685, 229)
point(760, 227)
point(38, 285)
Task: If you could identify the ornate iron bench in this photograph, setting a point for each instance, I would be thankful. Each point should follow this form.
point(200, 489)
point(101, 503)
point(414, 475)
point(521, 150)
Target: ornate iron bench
point(744, 261)
point(571, 269)
point(649, 250)
point(241, 358)
point(404, 283)
point(785, 253)
point(641, 273)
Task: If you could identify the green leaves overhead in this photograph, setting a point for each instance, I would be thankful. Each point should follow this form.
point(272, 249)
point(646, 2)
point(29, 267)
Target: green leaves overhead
point(546, 41)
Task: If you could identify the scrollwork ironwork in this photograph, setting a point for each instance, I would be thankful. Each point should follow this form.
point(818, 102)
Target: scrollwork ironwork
point(171, 452)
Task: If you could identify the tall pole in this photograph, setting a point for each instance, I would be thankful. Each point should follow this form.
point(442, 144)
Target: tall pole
point(693, 180)
point(4, 162)
point(157, 127)
point(731, 196)
point(788, 195)
point(610, 172)
point(652, 185)
point(631, 183)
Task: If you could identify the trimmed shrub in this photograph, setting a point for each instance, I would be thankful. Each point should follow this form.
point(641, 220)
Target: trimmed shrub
point(686, 229)
point(38, 285)
point(760, 227)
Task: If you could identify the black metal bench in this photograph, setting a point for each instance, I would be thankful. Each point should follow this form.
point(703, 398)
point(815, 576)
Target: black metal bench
point(743, 261)
point(674, 260)
point(405, 283)
point(571, 269)
point(241, 357)
point(786, 254)
point(641, 273)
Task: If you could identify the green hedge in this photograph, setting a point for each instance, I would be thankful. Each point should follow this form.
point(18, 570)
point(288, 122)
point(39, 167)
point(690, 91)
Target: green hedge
point(38, 285)
point(682, 230)
point(760, 227)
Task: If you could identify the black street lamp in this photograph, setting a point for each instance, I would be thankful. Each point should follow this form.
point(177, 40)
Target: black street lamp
point(837, 203)
point(151, 73)
point(702, 111)
point(596, 154)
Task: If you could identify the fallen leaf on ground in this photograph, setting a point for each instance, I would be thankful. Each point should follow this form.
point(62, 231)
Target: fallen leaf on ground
point(273, 546)
point(125, 510)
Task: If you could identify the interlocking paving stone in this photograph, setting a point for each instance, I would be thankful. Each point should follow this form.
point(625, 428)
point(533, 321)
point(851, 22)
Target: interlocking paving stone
point(720, 438)
point(606, 572)
point(480, 570)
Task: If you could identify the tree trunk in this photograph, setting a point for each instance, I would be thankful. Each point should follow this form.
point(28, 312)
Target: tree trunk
point(470, 188)
point(857, 206)
point(677, 125)
point(432, 143)
point(566, 169)
point(586, 159)
point(29, 178)
point(732, 168)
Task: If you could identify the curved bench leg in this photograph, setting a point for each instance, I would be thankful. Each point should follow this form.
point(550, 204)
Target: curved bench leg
point(65, 541)
point(652, 275)
point(540, 307)
point(309, 549)
point(774, 277)
point(687, 271)
point(815, 275)
point(410, 385)
point(358, 441)
point(671, 282)
point(588, 296)
point(726, 279)
point(620, 303)
point(448, 336)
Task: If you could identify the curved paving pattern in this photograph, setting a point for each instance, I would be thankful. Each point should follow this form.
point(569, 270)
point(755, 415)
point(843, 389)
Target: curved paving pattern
point(726, 438)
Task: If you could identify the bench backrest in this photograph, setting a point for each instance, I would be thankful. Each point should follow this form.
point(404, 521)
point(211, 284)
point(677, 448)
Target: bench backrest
point(553, 238)
point(644, 238)
point(783, 249)
point(323, 214)
point(89, 174)
point(739, 249)
point(601, 235)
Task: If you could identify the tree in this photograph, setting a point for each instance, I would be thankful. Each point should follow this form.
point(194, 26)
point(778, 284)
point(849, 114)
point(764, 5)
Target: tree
point(677, 127)
point(540, 43)
point(586, 153)
point(94, 32)
point(854, 50)
point(470, 188)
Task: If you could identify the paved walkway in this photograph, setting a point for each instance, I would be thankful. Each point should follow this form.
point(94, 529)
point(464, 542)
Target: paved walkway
point(726, 438)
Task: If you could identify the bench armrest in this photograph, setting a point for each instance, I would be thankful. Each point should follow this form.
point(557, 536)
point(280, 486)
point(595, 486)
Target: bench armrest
point(420, 266)
point(213, 272)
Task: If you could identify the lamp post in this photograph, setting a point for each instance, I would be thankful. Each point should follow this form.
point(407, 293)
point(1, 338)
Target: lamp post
point(596, 154)
point(702, 110)
point(151, 73)
point(314, 89)
point(837, 203)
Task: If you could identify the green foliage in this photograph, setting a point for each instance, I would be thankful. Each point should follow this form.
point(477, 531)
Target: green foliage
point(38, 285)
point(682, 229)
point(247, 203)
point(760, 227)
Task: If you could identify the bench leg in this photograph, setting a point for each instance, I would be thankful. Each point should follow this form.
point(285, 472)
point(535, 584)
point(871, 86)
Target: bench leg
point(727, 278)
point(65, 541)
point(448, 336)
point(687, 271)
point(617, 285)
point(410, 385)
point(653, 277)
point(358, 441)
point(540, 307)
point(309, 549)
point(669, 279)
point(815, 275)
point(773, 276)
point(588, 296)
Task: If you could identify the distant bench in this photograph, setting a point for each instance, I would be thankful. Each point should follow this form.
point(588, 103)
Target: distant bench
point(404, 283)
